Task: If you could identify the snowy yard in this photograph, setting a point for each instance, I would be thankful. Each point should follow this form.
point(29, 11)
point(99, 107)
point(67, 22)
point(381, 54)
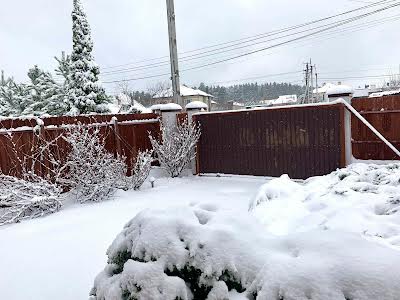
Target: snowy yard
point(330, 237)
point(58, 257)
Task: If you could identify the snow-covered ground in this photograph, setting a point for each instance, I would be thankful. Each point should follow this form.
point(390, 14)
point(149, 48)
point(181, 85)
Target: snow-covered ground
point(363, 199)
point(58, 257)
point(330, 237)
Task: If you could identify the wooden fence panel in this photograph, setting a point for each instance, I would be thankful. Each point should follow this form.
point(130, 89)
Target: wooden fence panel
point(20, 137)
point(300, 141)
point(384, 114)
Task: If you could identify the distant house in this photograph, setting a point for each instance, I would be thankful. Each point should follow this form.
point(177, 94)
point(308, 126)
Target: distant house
point(320, 93)
point(188, 95)
point(366, 91)
point(123, 104)
point(282, 100)
point(229, 105)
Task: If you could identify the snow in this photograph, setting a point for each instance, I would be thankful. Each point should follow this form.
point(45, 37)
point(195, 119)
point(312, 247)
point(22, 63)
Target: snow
point(330, 237)
point(185, 91)
point(339, 89)
point(169, 107)
point(196, 105)
point(362, 199)
point(285, 99)
point(64, 252)
point(127, 105)
point(218, 241)
point(324, 88)
point(386, 93)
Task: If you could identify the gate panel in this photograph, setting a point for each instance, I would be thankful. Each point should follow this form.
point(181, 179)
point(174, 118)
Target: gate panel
point(301, 141)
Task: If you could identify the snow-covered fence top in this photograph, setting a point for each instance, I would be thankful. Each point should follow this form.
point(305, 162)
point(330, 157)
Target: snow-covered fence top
point(21, 139)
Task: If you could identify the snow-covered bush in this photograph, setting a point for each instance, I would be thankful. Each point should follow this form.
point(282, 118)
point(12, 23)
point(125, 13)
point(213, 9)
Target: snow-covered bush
point(141, 169)
point(361, 198)
point(92, 172)
point(176, 148)
point(202, 252)
point(27, 198)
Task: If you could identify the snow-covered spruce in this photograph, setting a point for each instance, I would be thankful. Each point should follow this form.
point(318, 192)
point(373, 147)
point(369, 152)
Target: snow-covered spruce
point(363, 199)
point(84, 89)
point(91, 171)
point(141, 169)
point(202, 252)
point(176, 148)
point(27, 199)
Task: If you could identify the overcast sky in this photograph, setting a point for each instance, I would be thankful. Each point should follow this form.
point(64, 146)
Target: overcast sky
point(126, 31)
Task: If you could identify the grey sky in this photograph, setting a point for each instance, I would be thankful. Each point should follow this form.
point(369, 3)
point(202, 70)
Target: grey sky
point(124, 31)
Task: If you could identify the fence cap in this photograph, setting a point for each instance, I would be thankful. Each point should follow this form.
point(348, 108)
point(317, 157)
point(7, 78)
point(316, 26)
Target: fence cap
point(339, 90)
point(196, 105)
point(170, 107)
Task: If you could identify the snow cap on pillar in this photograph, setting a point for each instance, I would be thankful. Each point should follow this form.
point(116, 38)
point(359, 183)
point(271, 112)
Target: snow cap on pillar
point(170, 107)
point(196, 105)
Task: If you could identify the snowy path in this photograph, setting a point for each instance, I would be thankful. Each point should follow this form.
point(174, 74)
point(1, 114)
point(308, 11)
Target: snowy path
point(57, 257)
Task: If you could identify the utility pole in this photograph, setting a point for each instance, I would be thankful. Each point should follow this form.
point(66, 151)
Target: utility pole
point(2, 81)
point(316, 85)
point(173, 52)
point(312, 81)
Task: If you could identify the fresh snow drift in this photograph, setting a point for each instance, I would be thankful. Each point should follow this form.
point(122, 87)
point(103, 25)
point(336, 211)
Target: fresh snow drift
point(363, 199)
point(203, 252)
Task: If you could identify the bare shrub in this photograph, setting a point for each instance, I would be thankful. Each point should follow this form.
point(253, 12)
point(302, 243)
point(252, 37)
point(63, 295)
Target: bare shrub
point(93, 173)
point(177, 147)
point(141, 169)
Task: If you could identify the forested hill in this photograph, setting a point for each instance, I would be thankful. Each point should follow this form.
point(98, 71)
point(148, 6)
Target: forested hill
point(251, 92)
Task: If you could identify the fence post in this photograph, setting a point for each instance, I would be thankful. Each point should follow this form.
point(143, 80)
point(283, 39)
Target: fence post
point(39, 139)
point(117, 140)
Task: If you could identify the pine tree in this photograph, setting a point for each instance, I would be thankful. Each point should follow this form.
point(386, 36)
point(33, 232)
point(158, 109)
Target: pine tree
point(13, 98)
point(45, 95)
point(84, 89)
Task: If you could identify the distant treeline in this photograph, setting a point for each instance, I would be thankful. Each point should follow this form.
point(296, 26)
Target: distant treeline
point(251, 92)
point(246, 93)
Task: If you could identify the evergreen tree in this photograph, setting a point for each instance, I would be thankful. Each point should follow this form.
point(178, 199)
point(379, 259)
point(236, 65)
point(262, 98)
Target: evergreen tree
point(13, 98)
point(45, 95)
point(84, 89)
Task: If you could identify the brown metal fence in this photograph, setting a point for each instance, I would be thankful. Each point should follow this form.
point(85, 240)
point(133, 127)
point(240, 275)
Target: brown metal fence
point(124, 135)
point(300, 141)
point(384, 114)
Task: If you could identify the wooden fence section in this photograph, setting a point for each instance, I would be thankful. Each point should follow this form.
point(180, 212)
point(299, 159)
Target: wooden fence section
point(300, 141)
point(124, 135)
point(384, 114)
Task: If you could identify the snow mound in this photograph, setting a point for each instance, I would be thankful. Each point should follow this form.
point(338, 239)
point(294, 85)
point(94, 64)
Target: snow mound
point(203, 252)
point(363, 199)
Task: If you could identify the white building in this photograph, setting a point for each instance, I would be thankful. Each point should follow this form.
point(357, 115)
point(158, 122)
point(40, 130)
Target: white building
point(188, 95)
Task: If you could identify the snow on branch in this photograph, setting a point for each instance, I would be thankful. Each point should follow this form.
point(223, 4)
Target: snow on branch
point(141, 169)
point(92, 172)
point(27, 198)
point(177, 147)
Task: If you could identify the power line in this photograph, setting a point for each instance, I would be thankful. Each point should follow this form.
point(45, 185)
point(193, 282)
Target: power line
point(336, 24)
point(262, 35)
point(360, 27)
point(329, 26)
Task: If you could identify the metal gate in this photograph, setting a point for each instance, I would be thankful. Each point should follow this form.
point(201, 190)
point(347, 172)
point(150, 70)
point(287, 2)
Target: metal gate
point(300, 141)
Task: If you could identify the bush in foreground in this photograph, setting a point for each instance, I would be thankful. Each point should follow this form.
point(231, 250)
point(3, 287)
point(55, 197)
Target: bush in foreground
point(201, 252)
